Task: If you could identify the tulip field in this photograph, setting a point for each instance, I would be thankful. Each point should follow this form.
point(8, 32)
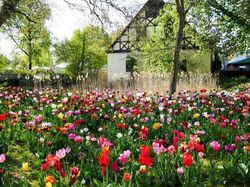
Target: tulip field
point(108, 138)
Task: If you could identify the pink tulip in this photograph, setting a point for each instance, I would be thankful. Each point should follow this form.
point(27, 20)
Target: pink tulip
point(78, 139)
point(215, 145)
point(2, 158)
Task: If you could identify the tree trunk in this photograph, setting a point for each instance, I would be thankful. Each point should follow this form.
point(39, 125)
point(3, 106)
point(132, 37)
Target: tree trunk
point(30, 63)
point(8, 7)
point(83, 55)
point(176, 58)
point(30, 46)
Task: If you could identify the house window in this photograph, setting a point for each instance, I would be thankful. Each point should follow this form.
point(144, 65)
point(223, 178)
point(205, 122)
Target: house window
point(141, 32)
point(130, 63)
point(151, 13)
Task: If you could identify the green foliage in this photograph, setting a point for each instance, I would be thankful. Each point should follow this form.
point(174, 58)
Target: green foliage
point(27, 29)
point(227, 82)
point(223, 25)
point(196, 60)
point(157, 53)
point(4, 62)
point(131, 62)
point(85, 51)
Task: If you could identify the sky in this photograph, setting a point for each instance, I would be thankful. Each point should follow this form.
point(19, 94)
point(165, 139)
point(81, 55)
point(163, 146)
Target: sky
point(64, 21)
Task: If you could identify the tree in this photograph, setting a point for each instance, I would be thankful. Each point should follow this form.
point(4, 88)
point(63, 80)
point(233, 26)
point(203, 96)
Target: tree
point(30, 34)
point(182, 7)
point(223, 25)
point(155, 55)
point(4, 62)
point(103, 10)
point(85, 52)
point(131, 62)
point(231, 9)
point(7, 8)
point(99, 8)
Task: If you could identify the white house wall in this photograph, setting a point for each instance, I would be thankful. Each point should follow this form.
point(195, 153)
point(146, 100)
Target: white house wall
point(117, 66)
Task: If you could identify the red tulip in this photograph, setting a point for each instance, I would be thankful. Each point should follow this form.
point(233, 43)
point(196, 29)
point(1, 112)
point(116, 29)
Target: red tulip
point(203, 90)
point(187, 159)
point(114, 166)
point(51, 160)
point(180, 135)
point(63, 174)
point(44, 167)
point(199, 148)
point(145, 150)
point(103, 160)
point(118, 125)
point(127, 177)
point(58, 166)
point(2, 117)
point(72, 179)
point(74, 170)
point(147, 161)
point(50, 144)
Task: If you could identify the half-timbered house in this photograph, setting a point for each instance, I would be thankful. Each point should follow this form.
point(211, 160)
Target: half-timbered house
point(132, 37)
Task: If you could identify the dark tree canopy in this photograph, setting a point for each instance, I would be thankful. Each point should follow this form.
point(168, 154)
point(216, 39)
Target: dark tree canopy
point(7, 9)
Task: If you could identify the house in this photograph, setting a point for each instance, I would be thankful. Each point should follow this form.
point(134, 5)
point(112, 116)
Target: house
point(131, 38)
point(239, 63)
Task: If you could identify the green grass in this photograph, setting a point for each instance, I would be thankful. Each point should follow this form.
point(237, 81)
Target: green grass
point(17, 155)
point(227, 82)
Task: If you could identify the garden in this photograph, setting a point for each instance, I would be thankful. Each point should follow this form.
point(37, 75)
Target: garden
point(124, 93)
point(107, 138)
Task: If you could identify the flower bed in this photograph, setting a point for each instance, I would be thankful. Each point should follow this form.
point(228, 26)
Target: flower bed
point(126, 139)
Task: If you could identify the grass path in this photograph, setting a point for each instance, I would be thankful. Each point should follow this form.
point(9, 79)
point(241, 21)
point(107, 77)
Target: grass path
point(18, 154)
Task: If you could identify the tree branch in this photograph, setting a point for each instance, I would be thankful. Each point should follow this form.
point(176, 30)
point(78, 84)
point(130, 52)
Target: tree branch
point(178, 6)
point(191, 5)
point(25, 15)
point(7, 9)
point(98, 8)
point(18, 45)
point(237, 19)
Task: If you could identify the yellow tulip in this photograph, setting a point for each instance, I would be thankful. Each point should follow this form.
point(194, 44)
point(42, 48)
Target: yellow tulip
point(196, 115)
point(60, 116)
point(48, 184)
point(156, 126)
point(103, 105)
point(87, 143)
point(120, 115)
point(59, 106)
point(25, 166)
point(143, 169)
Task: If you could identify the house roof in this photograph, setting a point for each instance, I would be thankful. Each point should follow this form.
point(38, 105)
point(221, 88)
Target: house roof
point(149, 3)
point(240, 60)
